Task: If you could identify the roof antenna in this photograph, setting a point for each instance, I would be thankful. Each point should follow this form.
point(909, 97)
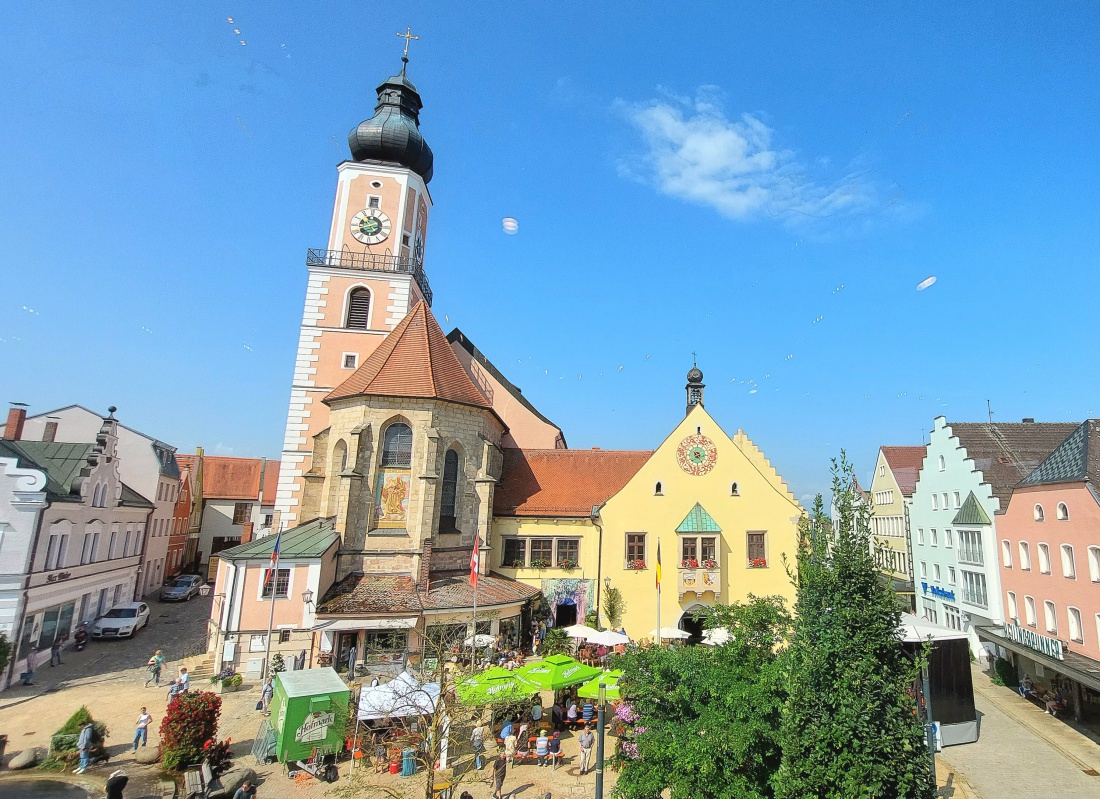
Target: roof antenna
point(989, 409)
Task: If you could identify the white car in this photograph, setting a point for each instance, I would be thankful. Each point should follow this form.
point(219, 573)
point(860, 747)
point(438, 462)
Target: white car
point(121, 621)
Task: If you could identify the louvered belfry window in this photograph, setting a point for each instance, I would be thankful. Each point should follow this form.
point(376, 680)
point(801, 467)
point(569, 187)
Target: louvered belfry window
point(397, 446)
point(450, 492)
point(358, 309)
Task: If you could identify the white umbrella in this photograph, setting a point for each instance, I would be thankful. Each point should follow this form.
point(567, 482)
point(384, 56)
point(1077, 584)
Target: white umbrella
point(671, 632)
point(579, 630)
point(717, 636)
point(608, 638)
point(402, 696)
point(480, 640)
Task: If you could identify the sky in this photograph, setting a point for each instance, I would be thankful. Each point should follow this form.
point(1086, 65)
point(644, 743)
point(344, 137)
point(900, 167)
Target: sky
point(761, 184)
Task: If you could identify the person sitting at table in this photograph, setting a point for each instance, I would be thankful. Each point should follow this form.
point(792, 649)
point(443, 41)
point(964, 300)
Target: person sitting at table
point(510, 744)
point(542, 747)
point(536, 710)
point(556, 714)
point(507, 729)
point(1026, 686)
point(571, 713)
point(588, 712)
point(554, 749)
point(1055, 702)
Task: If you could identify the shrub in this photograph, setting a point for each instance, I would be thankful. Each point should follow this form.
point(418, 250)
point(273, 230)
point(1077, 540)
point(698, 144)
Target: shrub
point(5, 651)
point(277, 663)
point(1004, 673)
point(556, 642)
point(191, 721)
point(63, 751)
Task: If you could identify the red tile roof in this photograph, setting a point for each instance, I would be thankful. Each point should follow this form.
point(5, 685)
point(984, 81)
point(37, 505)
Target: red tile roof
point(234, 478)
point(359, 594)
point(562, 482)
point(905, 463)
point(414, 360)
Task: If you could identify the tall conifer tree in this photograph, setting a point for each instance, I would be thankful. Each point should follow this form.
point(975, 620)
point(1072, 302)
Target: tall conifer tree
point(849, 727)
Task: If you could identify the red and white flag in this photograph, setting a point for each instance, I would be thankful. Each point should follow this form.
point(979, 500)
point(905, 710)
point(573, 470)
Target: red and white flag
point(474, 562)
point(273, 569)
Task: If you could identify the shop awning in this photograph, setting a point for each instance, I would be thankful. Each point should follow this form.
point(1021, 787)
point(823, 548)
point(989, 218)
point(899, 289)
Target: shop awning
point(1076, 666)
point(387, 623)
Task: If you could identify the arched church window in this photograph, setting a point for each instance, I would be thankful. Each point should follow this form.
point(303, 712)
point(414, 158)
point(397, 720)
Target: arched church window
point(658, 489)
point(448, 510)
point(397, 446)
point(358, 309)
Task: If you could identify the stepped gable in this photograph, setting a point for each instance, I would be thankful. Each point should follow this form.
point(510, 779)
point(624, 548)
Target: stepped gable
point(414, 360)
point(562, 482)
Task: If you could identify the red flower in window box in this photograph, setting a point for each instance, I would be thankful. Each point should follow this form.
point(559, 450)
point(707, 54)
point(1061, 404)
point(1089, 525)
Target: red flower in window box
point(635, 565)
point(709, 563)
point(758, 563)
point(689, 563)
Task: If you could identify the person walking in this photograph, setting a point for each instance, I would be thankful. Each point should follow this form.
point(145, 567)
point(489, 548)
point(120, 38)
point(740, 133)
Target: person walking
point(155, 664)
point(511, 743)
point(586, 740)
point(184, 680)
point(32, 661)
point(55, 651)
point(142, 731)
point(84, 746)
point(477, 741)
point(266, 693)
point(500, 770)
point(352, 657)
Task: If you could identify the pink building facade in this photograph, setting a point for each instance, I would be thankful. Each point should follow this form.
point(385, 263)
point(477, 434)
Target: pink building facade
point(1048, 550)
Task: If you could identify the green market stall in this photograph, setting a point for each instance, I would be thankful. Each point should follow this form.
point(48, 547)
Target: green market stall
point(309, 709)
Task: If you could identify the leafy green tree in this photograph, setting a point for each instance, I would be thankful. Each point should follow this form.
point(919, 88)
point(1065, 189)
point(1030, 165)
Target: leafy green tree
point(556, 642)
point(849, 726)
point(614, 606)
point(706, 719)
point(5, 651)
point(277, 663)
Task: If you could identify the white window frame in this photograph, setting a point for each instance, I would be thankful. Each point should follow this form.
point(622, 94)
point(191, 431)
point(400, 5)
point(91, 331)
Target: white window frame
point(951, 578)
point(935, 537)
point(1038, 513)
point(289, 582)
point(1025, 556)
point(1029, 611)
point(920, 536)
point(1006, 553)
point(924, 570)
point(935, 501)
point(1044, 558)
point(936, 571)
point(948, 538)
point(1094, 564)
point(943, 497)
point(958, 499)
point(1069, 567)
point(1050, 614)
point(1075, 621)
point(942, 464)
point(1013, 610)
point(344, 358)
point(1063, 512)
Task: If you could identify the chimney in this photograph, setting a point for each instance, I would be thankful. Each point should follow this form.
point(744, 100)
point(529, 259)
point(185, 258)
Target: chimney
point(425, 564)
point(1029, 420)
point(246, 532)
point(49, 432)
point(17, 415)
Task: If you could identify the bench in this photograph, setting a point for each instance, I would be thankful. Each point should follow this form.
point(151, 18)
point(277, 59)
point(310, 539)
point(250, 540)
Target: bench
point(200, 782)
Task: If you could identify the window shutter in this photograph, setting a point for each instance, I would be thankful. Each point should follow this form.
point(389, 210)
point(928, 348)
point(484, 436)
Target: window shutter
point(358, 309)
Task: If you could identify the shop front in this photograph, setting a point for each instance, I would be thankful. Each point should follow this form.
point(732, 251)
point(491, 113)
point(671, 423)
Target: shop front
point(1051, 665)
point(380, 646)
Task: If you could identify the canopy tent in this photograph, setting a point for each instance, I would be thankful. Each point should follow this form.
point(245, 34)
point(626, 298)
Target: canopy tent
point(716, 636)
point(671, 632)
point(556, 672)
point(492, 686)
point(579, 630)
point(610, 680)
point(914, 630)
point(608, 638)
point(403, 696)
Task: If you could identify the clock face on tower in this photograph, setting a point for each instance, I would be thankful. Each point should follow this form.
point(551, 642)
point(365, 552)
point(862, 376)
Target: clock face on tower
point(370, 226)
point(696, 455)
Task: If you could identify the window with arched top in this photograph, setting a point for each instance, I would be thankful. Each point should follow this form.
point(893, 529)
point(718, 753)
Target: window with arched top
point(1069, 567)
point(1039, 515)
point(734, 490)
point(397, 446)
point(1025, 556)
point(1076, 629)
point(1051, 613)
point(358, 309)
point(1063, 512)
point(1044, 559)
point(943, 464)
point(449, 507)
point(658, 489)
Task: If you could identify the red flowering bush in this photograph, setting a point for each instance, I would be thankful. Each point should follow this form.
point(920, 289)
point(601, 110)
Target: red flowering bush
point(191, 721)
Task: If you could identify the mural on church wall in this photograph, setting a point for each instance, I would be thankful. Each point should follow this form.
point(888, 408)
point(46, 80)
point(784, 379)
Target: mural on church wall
point(569, 600)
point(391, 498)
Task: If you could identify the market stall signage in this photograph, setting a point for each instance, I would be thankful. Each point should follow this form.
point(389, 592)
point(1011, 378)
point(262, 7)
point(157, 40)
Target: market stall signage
point(315, 728)
point(1051, 647)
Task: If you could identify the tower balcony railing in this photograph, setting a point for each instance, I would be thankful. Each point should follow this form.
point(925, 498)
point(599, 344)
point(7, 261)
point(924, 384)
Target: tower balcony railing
point(371, 262)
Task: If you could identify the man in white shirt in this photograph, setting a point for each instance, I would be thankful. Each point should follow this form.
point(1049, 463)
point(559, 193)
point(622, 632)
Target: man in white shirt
point(142, 731)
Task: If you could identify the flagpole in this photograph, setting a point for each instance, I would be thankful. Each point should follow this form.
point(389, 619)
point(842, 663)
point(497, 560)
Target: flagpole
point(274, 577)
point(475, 568)
point(659, 638)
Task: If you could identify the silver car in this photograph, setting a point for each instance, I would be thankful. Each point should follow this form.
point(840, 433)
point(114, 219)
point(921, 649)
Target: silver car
point(121, 621)
point(182, 588)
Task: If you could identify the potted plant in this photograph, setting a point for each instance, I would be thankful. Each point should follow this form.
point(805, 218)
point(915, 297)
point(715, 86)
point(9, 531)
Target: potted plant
point(710, 563)
point(635, 565)
point(758, 563)
point(567, 565)
point(539, 563)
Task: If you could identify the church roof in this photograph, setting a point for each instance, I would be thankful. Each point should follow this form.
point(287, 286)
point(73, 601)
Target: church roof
point(392, 135)
point(1076, 459)
point(905, 463)
point(414, 360)
point(698, 521)
point(562, 482)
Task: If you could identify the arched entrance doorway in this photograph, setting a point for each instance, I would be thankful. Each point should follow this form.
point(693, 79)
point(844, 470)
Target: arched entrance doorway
point(690, 625)
point(566, 613)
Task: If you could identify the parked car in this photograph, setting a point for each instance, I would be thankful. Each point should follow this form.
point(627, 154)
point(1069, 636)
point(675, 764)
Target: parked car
point(121, 621)
point(182, 588)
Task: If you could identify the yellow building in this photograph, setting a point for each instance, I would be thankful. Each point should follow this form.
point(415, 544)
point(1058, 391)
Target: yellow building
point(721, 515)
point(892, 486)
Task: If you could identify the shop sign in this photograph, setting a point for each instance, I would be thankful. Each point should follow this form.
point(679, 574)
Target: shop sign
point(1051, 647)
point(53, 578)
point(935, 590)
point(315, 728)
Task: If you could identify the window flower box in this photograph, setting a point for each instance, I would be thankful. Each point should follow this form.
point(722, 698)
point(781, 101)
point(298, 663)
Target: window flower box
point(567, 565)
point(710, 564)
point(635, 565)
point(539, 563)
point(758, 563)
point(689, 563)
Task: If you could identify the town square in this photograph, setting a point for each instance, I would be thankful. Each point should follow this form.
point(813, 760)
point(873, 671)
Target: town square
point(445, 402)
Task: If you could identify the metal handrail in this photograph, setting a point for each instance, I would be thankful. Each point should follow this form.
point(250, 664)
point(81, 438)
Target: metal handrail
point(372, 262)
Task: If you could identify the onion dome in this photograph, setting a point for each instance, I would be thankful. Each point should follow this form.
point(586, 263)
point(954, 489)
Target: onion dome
point(695, 376)
point(393, 135)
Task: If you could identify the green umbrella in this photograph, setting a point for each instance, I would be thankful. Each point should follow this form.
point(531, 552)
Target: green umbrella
point(556, 672)
point(492, 686)
point(610, 680)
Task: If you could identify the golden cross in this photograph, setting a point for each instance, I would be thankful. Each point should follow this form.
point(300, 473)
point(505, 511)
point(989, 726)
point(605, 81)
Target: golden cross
point(407, 36)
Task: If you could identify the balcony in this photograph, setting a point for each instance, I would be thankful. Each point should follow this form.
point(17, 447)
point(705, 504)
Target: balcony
point(371, 262)
point(699, 580)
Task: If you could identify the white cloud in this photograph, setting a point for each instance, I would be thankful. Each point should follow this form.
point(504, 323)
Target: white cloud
point(695, 152)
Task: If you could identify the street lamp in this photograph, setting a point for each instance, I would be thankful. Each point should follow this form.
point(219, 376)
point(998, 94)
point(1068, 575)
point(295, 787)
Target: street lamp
point(307, 597)
point(600, 739)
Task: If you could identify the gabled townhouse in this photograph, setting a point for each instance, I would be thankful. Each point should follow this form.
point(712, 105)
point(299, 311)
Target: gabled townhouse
point(962, 492)
point(892, 487)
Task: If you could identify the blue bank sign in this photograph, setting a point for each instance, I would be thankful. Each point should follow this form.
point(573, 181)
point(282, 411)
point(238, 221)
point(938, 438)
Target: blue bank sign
point(935, 590)
point(1051, 647)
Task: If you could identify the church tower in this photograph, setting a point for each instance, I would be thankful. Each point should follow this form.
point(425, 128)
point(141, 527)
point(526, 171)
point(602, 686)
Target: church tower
point(368, 276)
point(694, 387)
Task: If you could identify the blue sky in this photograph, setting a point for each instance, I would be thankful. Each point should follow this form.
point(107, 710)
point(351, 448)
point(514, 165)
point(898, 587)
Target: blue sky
point(696, 176)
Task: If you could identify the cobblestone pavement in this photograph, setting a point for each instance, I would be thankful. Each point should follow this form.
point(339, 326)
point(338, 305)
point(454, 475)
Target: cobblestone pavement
point(1014, 758)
